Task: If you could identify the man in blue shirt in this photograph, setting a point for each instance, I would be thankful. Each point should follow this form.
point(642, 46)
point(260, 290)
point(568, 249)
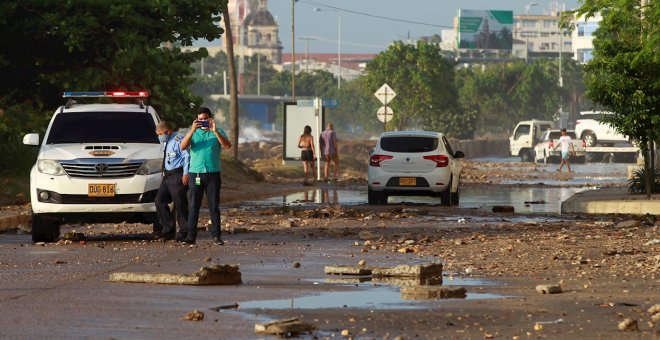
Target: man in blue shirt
point(174, 185)
point(205, 141)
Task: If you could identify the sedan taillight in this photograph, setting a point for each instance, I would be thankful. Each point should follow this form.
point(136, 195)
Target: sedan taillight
point(375, 160)
point(440, 160)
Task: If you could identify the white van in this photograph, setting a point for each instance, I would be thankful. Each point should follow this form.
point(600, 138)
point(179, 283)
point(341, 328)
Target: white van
point(96, 163)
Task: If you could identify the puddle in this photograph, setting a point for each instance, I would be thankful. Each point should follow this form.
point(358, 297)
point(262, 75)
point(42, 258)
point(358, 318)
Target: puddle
point(376, 297)
point(471, 197)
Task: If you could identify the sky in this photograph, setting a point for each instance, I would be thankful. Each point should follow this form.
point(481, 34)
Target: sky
point(366, 34)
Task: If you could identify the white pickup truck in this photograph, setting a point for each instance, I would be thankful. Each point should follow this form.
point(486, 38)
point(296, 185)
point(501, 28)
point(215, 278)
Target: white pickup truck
point(545, 151)
point(525, 136)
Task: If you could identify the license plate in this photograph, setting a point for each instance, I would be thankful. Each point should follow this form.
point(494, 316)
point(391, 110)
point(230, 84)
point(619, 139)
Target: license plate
point(408, 181)
point(101, 190)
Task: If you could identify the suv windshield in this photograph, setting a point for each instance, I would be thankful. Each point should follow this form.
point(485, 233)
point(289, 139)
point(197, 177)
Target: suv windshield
point(409, 144)
point(103, 127)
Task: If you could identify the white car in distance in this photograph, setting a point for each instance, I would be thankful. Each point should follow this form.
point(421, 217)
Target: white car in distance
point(414, 163)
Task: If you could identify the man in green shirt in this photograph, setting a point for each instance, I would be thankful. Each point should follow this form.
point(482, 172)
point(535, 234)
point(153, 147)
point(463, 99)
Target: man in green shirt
point(205, 142)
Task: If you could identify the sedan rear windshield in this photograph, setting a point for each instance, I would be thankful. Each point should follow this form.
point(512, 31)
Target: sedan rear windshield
point(102, 127)
point(409, 144)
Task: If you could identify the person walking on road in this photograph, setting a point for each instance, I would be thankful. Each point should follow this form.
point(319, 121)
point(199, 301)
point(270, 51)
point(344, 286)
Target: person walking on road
point(205, 141)
point(306, 143)
point(565, 142)
point(330, 151)
point(174, 186)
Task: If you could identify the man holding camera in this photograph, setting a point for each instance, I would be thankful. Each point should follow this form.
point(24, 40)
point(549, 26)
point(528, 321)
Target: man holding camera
point(205, 141)
point(174, 186)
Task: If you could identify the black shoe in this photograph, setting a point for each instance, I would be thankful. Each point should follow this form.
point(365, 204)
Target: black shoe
point(188, 241)
point(218, 241)
point(180, 237)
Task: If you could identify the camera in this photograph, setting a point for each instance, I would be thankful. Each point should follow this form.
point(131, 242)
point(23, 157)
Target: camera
point(205, 123)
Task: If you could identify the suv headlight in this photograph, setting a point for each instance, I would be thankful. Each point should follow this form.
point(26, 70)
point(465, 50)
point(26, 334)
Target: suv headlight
point(151, 166)
point(50, 167)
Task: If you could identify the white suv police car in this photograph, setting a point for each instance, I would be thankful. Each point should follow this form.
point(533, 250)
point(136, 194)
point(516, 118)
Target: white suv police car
point(96, 163)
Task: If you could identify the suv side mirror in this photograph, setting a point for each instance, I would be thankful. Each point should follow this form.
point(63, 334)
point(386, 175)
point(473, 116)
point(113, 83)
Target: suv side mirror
point(459, 154)
point(31, 139)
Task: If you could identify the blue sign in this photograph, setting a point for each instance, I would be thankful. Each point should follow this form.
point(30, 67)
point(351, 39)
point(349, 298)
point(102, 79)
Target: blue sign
point(331, 103)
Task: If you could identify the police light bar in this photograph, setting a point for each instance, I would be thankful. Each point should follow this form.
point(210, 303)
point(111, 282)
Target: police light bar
point(110, 94)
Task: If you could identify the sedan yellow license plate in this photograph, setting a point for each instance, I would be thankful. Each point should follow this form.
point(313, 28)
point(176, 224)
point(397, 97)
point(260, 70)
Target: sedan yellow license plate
point(101, 190)
point(409, 181)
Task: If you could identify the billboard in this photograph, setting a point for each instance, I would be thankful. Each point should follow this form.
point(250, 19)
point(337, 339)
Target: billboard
point(484, 30)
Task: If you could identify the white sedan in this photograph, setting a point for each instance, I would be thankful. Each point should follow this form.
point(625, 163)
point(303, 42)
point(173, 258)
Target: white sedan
point(414, 163)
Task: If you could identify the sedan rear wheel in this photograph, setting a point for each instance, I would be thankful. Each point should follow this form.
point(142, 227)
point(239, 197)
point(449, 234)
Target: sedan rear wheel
point(376, 197)
point(446, 196)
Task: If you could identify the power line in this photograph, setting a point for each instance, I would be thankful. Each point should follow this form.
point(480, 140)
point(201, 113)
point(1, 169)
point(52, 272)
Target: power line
point(318, 4)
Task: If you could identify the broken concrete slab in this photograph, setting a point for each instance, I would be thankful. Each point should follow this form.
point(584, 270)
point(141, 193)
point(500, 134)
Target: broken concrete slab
point(348, 280)
point(408, 281)
point(548, 289)
point(289, 327)
point(433, 293)
point(421, 271)
point(209, 275)
point(347, 270)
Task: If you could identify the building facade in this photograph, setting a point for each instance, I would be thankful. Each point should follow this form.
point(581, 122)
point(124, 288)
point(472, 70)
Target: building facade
point(583, 37)
point(540, 36)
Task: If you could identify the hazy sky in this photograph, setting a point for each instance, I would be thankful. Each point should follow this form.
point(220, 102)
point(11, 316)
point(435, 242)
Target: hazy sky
point(362, 33)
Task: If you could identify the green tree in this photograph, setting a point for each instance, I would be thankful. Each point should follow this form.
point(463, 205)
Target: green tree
point(423, 81)
point(308, 84)
point(624, 74)
point(98, 45)
point(254, 68)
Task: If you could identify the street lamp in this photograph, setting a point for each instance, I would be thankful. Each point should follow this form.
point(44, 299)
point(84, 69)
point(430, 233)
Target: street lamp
point(527, 7)
point(338, 41)
point(307, 39)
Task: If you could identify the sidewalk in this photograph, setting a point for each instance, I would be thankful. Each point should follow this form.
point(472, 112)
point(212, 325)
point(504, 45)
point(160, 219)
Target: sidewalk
point(614, 200)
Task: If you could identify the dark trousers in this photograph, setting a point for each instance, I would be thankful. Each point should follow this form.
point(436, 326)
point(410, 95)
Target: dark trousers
point(172, 190)
point(209, 183)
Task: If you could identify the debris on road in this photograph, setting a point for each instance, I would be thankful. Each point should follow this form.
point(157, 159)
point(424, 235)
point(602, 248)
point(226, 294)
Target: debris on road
point(285, 327)
point(347, 270)
point(629, 224)
point(194, 315)
point(219, 308)
point(548, 289)
point(503, 209)
point(432, 293)
point(628, 324)
point(209, 275)
point(655, 312)
point(421, 271)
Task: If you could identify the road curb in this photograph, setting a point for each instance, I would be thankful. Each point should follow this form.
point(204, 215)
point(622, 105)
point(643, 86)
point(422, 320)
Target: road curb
point(611, 201)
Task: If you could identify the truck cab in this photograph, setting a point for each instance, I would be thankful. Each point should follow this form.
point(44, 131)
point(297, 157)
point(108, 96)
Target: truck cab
point(525, 136)
point(98, 162)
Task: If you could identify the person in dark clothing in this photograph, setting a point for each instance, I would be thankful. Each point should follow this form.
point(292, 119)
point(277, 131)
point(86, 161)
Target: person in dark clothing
point(306, 143)
point(174, 186)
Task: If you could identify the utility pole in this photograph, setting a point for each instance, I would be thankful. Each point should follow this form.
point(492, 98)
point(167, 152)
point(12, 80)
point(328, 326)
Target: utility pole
point(233, 91)
point(293, 49)
point(258, 74)
point(527, 7)
point(307, 39)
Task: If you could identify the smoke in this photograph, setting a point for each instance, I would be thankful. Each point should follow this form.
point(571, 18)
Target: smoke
point(252, 134)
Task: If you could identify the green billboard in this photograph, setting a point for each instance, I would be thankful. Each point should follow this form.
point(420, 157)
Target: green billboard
point(484, 30)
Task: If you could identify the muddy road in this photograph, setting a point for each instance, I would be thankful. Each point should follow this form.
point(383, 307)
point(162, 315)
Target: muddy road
point(607, 266)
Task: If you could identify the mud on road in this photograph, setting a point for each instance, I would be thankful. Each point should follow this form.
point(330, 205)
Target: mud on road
point(607, 267)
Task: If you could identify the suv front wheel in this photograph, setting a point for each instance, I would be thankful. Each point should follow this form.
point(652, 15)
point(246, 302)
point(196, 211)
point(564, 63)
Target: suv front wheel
point(44, 228)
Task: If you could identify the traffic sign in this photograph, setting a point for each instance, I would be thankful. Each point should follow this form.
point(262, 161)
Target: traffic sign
point(385, 94)
point(385, 114)
point(305, 102)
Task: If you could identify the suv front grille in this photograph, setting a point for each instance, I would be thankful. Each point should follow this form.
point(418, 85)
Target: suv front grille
point(101, 170)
